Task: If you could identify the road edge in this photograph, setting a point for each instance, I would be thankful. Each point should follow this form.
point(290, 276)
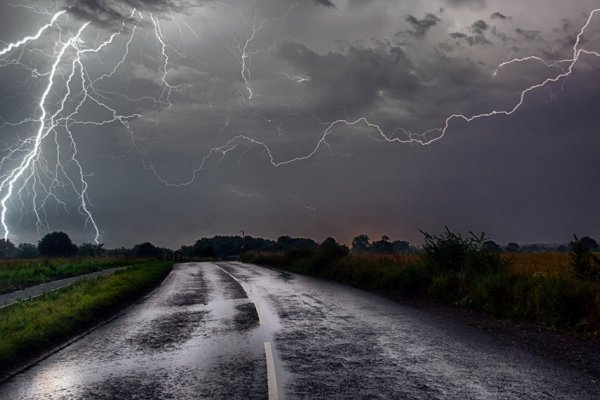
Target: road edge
point(36, 360)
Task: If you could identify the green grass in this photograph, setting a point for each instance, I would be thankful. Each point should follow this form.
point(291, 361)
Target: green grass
point(542, 293)
point(20, 274)
point(29, 328)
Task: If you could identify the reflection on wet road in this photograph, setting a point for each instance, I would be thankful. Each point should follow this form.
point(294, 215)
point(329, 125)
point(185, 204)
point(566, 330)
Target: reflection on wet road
point(236, 331)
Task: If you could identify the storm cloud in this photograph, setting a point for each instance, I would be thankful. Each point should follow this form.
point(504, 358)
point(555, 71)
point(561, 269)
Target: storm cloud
point(238, 89)
point(108, 12)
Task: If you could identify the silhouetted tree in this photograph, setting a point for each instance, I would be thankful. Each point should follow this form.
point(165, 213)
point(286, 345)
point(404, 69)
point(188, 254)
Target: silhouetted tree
point(57, 244)
point(360, 244)
point(383, 246)
point(585, 264)
point(146, 249)
point(91, 250)
point(203, 251)
point(119, 252)
point(27, 251)
point(513, 247)
point(491, 246)
point(588, 242)
point(329, 250)
point(401, 246)
point(290, 243)
point(7, 249)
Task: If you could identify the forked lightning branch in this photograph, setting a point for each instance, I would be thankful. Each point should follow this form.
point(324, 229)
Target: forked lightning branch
point(37, 168)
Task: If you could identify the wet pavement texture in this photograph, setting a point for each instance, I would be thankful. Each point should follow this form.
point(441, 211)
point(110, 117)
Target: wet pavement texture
point(202, 335)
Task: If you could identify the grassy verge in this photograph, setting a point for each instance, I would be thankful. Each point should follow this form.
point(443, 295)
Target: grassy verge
point(20, 274)
point(29, 328)
point(538, 288)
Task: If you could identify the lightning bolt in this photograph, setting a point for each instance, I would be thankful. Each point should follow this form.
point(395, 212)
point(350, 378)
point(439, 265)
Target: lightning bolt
point(167, 89)
point(424, 138)
point(244, 48)
point(33, 169)
point(25, 169)
point(8, 183)
point(27, 39)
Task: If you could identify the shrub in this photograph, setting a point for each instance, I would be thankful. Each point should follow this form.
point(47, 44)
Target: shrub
point(450, 252)
point(585, 264)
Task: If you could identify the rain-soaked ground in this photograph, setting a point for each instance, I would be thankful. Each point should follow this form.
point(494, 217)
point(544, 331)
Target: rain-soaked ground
point(202, 335)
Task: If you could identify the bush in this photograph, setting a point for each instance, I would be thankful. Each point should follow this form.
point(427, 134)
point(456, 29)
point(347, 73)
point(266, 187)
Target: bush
point(450, 252)
point(329, 251)
point(585, 264)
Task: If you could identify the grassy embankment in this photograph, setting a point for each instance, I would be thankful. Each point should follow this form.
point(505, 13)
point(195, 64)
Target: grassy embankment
point(540, 288)
point(29, 328)
point(20, 274)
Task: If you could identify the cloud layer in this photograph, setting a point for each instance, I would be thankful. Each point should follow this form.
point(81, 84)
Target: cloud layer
point(195, 163)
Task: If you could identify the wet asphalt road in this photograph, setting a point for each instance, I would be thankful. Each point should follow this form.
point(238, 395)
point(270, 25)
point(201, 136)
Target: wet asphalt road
point(202, 335)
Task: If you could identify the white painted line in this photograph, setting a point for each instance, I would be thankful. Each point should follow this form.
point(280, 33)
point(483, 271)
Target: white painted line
point(271, 375)
point(261, 320)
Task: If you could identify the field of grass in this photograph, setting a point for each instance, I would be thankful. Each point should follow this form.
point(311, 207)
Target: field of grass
point(556, 265)
point(19, 274)
point(539, 287)
point(29, 328)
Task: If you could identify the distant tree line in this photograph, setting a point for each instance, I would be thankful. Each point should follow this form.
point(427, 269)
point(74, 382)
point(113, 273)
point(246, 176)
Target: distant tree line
point(59, 244)
point(233, 246)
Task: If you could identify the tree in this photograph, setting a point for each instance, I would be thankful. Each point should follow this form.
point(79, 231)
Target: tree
point(588, 242)
point(360, 244)
point(146, 249)
point(57, 244)
point(328, 251)
point(27, 251)
point(401, 246)
point(203, 251)
point(492, 247)
point(585, 264)
point(7, 249)
point(383, 246)
point(513, 247)
point(91, 250)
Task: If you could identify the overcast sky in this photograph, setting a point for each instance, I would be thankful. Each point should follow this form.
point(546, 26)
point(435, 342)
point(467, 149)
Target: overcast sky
point(222, 128)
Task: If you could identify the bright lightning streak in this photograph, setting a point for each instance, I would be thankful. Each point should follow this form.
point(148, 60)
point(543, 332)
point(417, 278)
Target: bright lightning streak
point(245, 52)
point(424, 138)
point(32, 170)
point(8, 183)
point(165, 62)
point(28, 39)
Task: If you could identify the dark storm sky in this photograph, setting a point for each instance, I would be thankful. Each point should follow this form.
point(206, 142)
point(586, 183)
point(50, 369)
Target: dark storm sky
point(405, 65)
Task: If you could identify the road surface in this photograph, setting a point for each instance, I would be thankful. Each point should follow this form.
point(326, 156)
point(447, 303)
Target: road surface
point(236, 331)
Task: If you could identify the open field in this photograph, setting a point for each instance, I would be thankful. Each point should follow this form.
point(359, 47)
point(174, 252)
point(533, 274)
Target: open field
point(20, 274)
point(29, 328)
point(555, 265)
point(539, 287)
